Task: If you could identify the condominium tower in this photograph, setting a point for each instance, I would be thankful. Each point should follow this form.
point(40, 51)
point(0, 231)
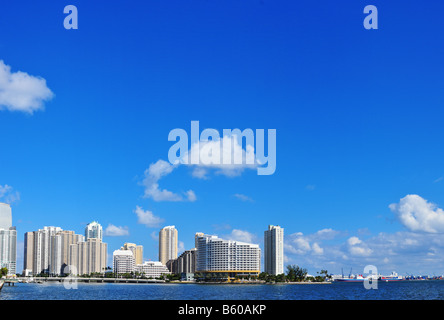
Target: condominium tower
point(8, 240)
point(47, 250)
point(274, 250)
point(228, 258)
point(167, 244)
point(94, 230)
point(137, 251)
point(123, 261)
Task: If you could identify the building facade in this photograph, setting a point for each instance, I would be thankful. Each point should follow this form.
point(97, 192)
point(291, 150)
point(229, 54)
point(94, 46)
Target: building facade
point(229, 258)
point(94, 230)
point(167, 244)
point(137, 251)
point(8, 240)
point(88, 257)
point(274, 250)
point(123, 262)
point(47, 250)
point(152, 269)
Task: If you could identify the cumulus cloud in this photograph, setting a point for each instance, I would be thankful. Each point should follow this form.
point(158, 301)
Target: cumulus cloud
point(353, 241)
point(147, 218)
point(357, 248)
point(153, 174)
point(8, 195)
point(22, 92)
point(114, 231)
point(419, 215)
point(241, 235)
point(229, 161)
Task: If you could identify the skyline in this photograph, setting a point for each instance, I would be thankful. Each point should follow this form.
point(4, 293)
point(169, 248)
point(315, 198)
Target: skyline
point(85, 117)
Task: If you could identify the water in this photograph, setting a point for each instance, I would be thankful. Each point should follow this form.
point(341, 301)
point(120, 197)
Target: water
point(405, 290)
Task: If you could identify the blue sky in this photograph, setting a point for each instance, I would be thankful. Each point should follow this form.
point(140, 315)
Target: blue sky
point(358, 115)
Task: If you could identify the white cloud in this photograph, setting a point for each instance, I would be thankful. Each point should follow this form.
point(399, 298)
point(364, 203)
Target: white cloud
point(22, 92)
point(154, 235)
point(191, 196)
point(353, 241)
point(241, 235)
point(243, 197)
point(8, 195)
point(153, 174)
point(419, 215)
point(212, 155)
point(147, 218)
point(114, 231)
point(317, 249)
point(180, 247)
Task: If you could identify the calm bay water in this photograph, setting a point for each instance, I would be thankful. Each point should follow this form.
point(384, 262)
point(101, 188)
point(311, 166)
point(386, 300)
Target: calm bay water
point(405, 290)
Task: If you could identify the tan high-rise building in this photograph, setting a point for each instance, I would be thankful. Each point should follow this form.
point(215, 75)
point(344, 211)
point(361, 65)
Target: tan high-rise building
point(167, 244)
point(60, 243)
point(88, 257)
point(29, 253)
point(137, 251)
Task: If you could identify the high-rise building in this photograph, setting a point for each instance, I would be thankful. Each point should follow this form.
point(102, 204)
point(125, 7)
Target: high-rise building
point(41, 250)
point(8, 240)
point(60, 243)
point(274, 250)
point(47, 250)
point(28, 253)
point(228, 258)
point(137, 251)
point(5, 216)
point(93, 230)
point(167, 244)
point(123, 261)
point(88, 257)
point(185, 263)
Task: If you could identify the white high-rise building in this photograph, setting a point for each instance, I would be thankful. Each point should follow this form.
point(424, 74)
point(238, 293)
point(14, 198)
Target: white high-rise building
point(228, 257)
point(42, 249)
point(167, 244)
point(8, 240)
point(274, 250)
point(123, 261)
point(5, 216)
point(93, 230)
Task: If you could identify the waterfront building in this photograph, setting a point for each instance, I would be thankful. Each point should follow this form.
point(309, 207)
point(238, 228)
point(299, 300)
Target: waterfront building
point(88, 257)
point(152, 269)
point(227, 259)
point(41, 249)
point(185, 263)
point(123, 261)
point(167, 244)
point(94, 230)
point(137, 251)
point(8, 240)
point(28, 256)
point(274, 250)
point(47, 250)
point(60, 243)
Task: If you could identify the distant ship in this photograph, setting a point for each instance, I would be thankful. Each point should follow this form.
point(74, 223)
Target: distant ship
point(357, 278)
point(360, 278)
point(392, 277)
